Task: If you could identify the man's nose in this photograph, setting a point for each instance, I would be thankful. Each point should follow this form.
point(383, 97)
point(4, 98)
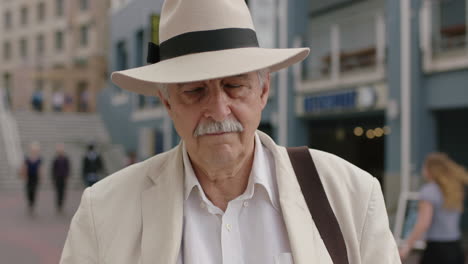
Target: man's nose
point(218, 105)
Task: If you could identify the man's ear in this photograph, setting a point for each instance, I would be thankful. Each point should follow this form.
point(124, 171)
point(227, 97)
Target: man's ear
point(265, 90)
point(164, 100)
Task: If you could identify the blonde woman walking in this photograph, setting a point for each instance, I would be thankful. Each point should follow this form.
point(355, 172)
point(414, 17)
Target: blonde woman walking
point(440, 209)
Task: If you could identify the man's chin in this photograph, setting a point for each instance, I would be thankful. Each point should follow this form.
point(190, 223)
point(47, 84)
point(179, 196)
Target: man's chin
point(214, 145)
point(221, 153)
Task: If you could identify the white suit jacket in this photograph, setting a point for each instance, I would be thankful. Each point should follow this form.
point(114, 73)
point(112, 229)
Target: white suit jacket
point(135, 216)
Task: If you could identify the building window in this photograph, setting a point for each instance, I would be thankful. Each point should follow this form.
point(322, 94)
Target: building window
point(59, 8)
point(84, 38)
point(141, 101)
point(84, 5)
point(7, 22)
point(452, 33)
point(80, 62)
point(153, 101)
point(24, 16)
point(148, 102)
point(121, 58)
point(23, 48)
point(139, 47)
point(6, 80)
point(39, 84)
point(59, 40)
point(83, 96)
point(40, 11)
point(40, 44)
point(6, 50)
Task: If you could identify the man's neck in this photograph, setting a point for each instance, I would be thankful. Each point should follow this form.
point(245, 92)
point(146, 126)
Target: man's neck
point(224, 184)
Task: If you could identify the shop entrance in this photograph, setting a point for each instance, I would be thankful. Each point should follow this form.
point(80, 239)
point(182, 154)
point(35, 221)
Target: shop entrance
point(452, 139)
point(357, 140)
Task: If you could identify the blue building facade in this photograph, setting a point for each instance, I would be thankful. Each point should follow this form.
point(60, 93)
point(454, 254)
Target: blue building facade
point(350, 92)
point(342, 91)
point(137, 122)
point(346, 98)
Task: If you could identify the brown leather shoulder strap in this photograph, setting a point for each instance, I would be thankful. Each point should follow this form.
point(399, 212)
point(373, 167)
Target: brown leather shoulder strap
point(317, 201)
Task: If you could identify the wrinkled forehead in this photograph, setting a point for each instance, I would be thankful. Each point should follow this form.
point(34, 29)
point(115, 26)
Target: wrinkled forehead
point(250, 76)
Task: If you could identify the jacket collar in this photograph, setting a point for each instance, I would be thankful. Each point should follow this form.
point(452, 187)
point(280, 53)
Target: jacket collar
point(163, 209)
point(304, 238)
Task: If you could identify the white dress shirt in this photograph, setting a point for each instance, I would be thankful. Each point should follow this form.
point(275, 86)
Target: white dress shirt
point(251, 230)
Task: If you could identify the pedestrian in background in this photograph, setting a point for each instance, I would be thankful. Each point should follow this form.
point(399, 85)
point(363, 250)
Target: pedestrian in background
point(440, 208)
point(92, 166)
point(68, 102)
point(31, 174)
point(58, 99)
point(60, 173)
point(37, 100)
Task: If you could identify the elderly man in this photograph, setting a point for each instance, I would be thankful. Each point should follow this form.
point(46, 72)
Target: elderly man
point(227, 193)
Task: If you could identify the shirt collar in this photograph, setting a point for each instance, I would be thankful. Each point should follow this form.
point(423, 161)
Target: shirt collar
point(191, 180)
point(262, 174)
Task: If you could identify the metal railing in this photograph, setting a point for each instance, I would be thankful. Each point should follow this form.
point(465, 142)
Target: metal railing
point(9, 130)
point(338, 49)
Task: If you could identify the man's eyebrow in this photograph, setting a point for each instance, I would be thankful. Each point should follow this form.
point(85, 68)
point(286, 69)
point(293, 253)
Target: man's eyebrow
point(181, 85)
point(243, 76)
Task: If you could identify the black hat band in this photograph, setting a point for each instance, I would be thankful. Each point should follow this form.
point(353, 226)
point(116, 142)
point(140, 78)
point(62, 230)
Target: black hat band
point(202, 41)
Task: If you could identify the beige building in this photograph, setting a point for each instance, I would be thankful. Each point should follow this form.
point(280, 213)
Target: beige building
point(53, 45)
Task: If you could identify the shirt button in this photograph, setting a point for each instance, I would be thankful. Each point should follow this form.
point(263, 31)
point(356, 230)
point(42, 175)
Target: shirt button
point(246, 204)
point(202, 205)
point(228, 227)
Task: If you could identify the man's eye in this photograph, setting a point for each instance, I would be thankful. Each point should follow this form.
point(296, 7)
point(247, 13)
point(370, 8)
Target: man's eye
point(194, 90)
point(231, 85)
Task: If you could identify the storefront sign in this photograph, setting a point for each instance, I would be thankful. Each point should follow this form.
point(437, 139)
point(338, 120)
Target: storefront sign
point(363, 97)
point(331, 102)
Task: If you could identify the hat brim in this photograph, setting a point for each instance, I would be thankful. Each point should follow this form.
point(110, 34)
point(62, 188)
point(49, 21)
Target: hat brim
point(206, 66)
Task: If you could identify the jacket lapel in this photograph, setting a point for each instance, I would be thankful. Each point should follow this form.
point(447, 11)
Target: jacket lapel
point(162, 206)
point(304, 238)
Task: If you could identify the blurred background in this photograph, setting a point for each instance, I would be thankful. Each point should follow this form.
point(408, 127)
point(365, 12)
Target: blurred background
point(385, 84)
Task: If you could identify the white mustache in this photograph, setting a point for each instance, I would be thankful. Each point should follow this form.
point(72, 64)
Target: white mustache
point(225, 126)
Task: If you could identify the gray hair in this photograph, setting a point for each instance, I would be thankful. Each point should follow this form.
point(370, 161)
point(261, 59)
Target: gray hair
point(164, 87)
point(262, 74)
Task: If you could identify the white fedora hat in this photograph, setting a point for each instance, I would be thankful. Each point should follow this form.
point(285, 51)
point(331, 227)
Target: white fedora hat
point(203, 40)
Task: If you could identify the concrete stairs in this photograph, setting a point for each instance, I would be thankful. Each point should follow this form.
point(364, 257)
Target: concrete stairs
point(75, 131)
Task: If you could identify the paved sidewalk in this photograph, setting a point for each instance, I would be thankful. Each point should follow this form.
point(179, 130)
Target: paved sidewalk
point(37, 238)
